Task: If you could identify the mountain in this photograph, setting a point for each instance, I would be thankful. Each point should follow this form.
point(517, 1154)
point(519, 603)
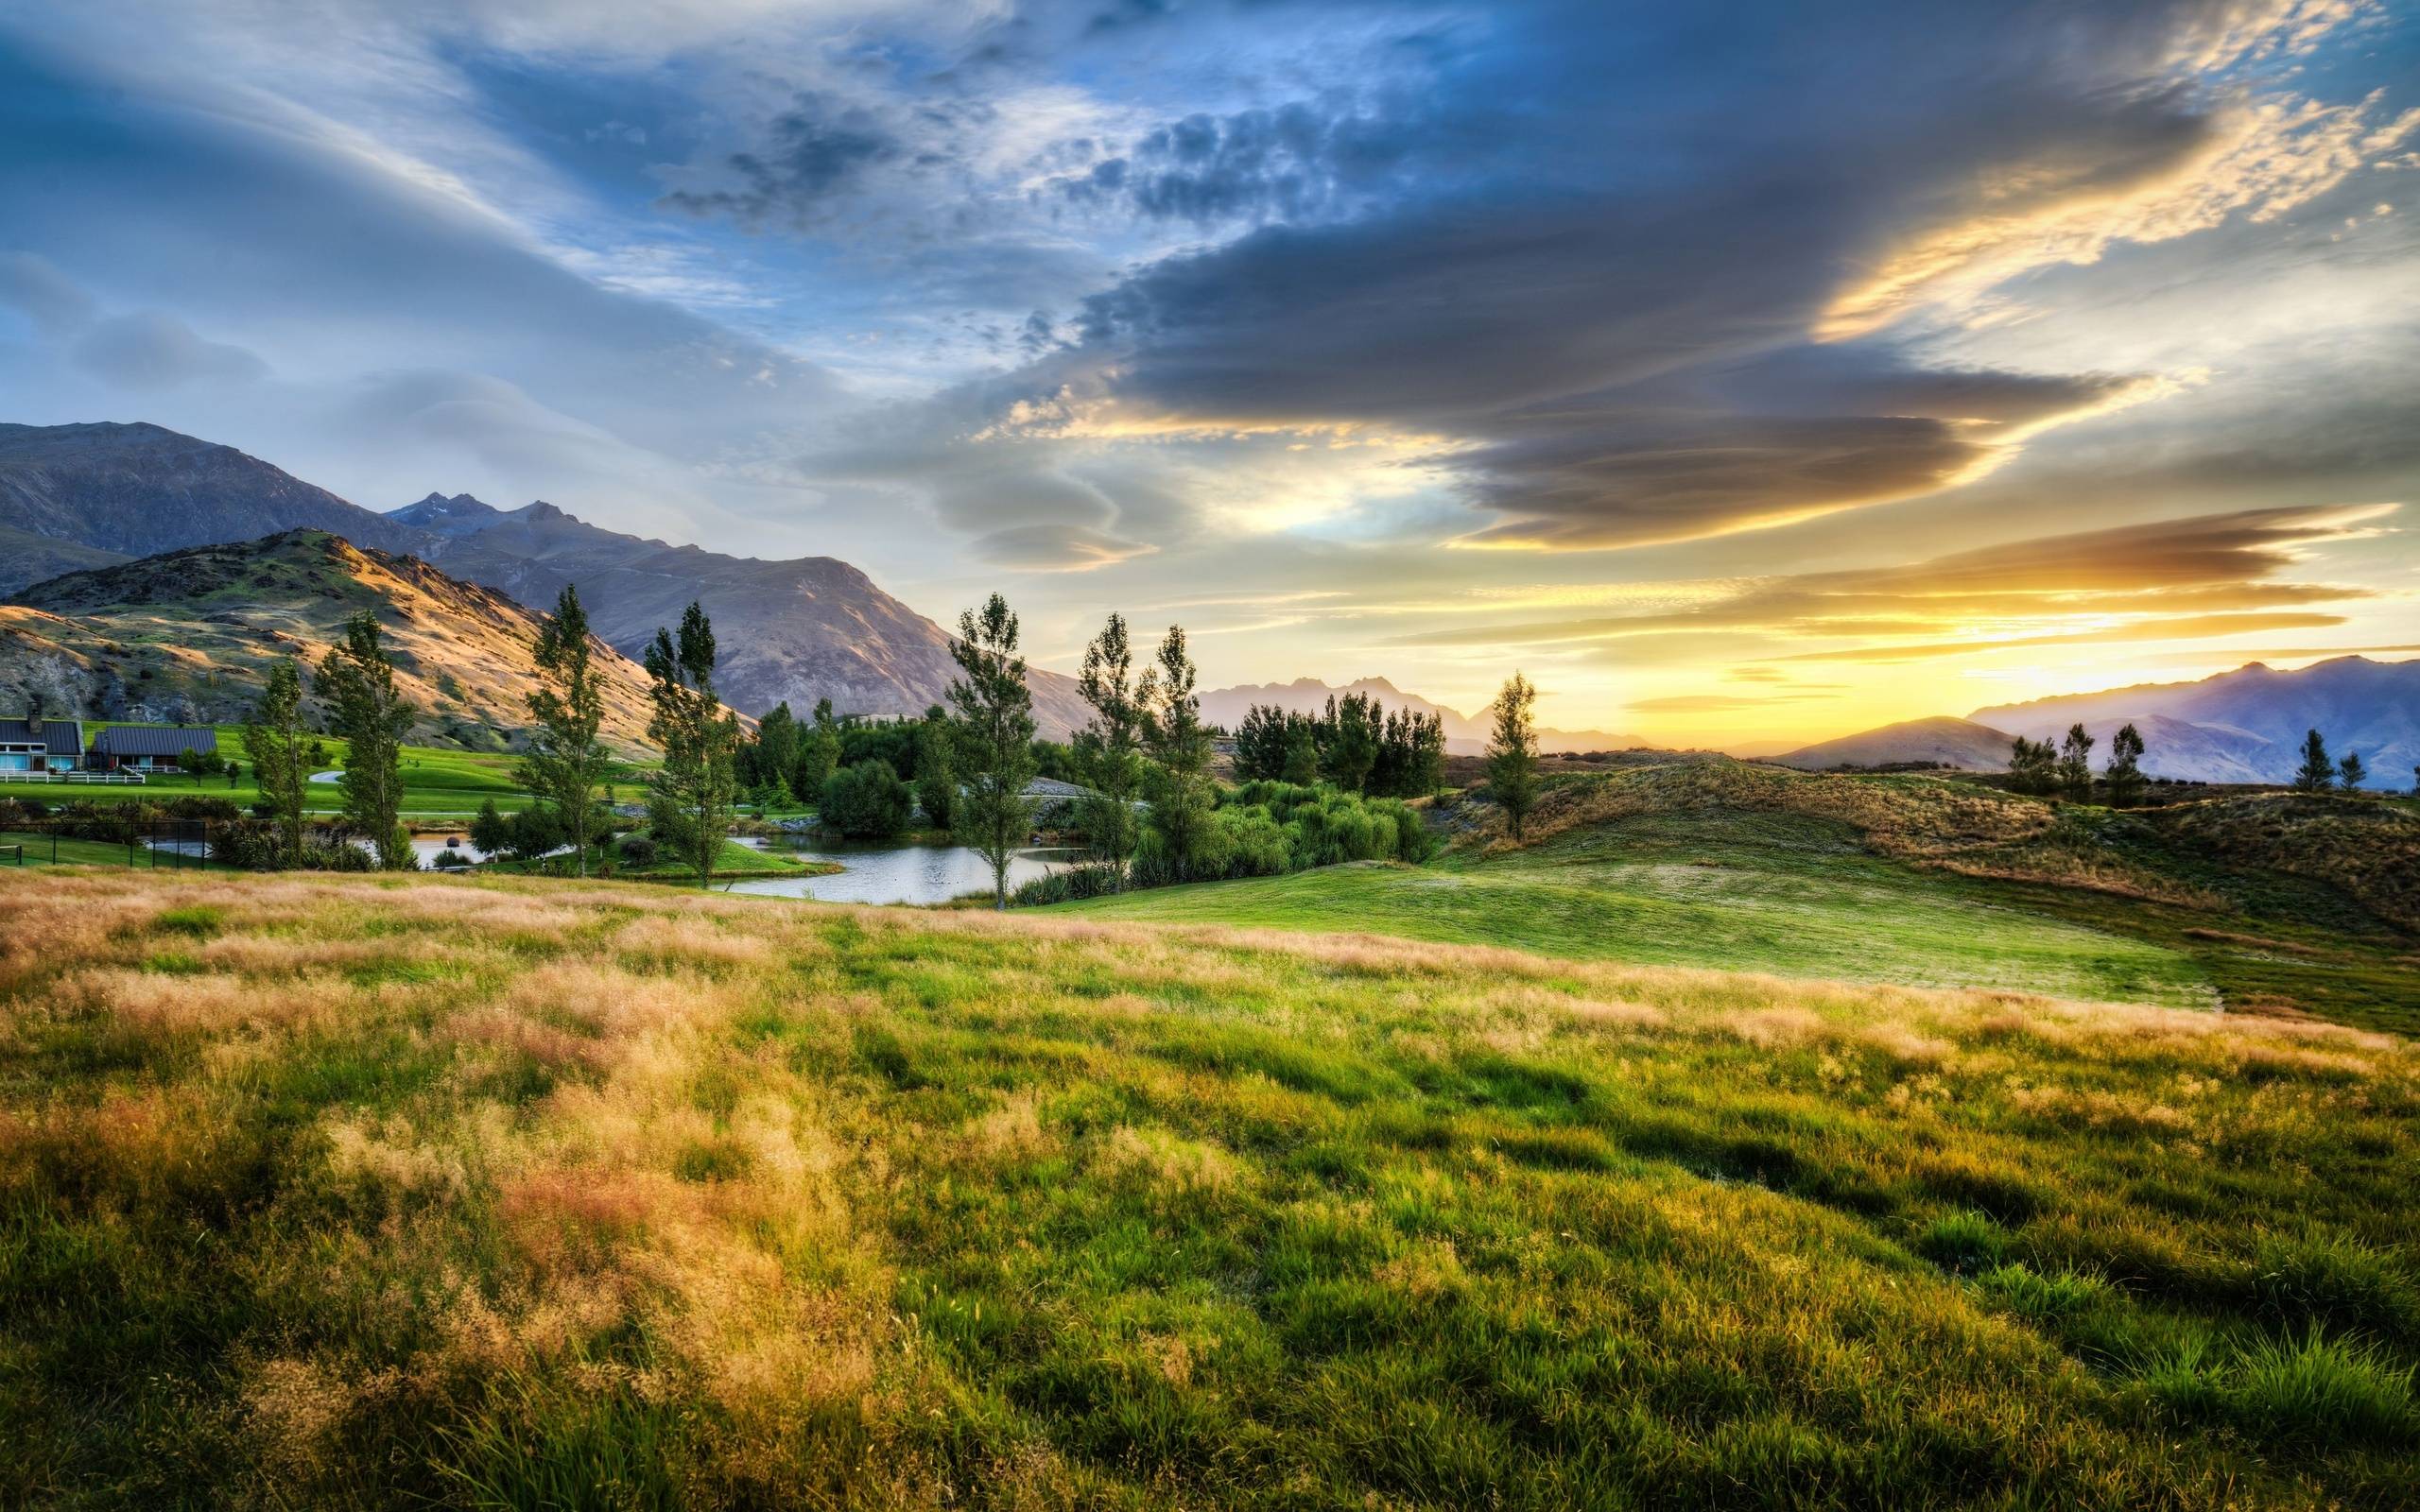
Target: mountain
point(802, 629)
point(1957, 742)
point(1465, 736)
point(2256, 716)
point(134, 491)
point(78, 497)
point(188, 637)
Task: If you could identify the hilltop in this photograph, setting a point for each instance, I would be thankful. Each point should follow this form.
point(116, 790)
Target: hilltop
point(187, 636)
point(1959, 742)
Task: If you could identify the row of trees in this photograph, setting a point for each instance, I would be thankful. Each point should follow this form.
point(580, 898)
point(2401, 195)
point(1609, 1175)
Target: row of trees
point(1357, 743)
point(2038, 767)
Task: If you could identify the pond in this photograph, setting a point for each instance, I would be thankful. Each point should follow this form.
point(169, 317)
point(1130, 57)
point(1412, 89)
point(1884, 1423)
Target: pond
point(900, 873)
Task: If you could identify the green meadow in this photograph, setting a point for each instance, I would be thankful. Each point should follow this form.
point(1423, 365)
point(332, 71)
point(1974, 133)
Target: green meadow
point(400, 1190)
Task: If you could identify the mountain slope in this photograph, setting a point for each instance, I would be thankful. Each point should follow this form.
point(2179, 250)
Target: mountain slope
point(136, 490)
point(1464, 735)
point(1957, 742)
point(2358, 704)
point(189, 635)
point(807, 628)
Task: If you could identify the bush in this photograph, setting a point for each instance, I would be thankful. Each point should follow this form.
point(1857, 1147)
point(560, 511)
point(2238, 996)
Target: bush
point(1093, 881)
point(638, 849)
point(867, 801)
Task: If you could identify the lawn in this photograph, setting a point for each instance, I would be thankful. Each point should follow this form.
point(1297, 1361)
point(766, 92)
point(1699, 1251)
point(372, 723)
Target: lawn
point(438, 782)
point(1677, 879)
point(1770, 892)
point(388, 1190)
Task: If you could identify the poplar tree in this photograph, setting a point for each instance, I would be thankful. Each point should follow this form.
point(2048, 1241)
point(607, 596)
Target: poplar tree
point(1109, 750)
point(357, 683)
point(1513, 751)
point(566, 765)
point(691, 798)
point(994, 739)
point(281, 755)
point(1178, 745)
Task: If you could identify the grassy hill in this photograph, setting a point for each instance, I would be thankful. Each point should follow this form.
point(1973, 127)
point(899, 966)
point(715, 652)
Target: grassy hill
point(2274, 903)
point(379, 1192)
point(196, 631)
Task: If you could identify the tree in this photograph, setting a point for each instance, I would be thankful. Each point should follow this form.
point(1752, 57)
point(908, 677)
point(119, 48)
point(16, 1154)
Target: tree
point(935, 777)
point(1179, 746)
point(2124, 773)
point(1352, 741)
point(490, 832)
point(773, 754)
point(819, 751)
point(1302, 767)
point(2350, 773)
point(993, 739)
point(866, 801)
point(2032, 766)
point(690, 801)
point(566, 765)
point(1108, 750)
point(1261, 741)
point(1513, 751)
point(2317, 774)
point(2075, 761)
point(280, 759)
point(357, 682)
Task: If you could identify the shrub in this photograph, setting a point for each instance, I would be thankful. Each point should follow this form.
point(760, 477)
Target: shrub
point(639, 849)
point(1069, 883)
point(867, 801)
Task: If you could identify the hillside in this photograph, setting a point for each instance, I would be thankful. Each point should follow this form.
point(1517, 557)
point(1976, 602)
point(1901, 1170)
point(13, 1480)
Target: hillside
point(1464, 734)
point(799, 630)
point(402, 1192)
point(1957, 742)
point(187, 636)
point(129, 490)
point(802, 629)
point(2273, 901)
point(2259, 714)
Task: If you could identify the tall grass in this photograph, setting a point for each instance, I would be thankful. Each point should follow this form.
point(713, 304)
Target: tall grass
point(516, 1193)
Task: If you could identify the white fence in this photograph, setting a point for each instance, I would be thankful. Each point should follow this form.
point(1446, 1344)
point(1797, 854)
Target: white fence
point(135, 777)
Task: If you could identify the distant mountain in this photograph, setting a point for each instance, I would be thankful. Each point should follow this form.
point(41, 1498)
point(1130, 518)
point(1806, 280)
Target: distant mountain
point(807, 628)
point(138, 489)
point(1464, 735)
point(1957, 742)
point(188, 636)
point(2255, 718)
point(76, 497)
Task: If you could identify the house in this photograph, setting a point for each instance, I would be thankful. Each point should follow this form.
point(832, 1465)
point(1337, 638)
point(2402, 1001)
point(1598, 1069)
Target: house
point(148, 748)
point(40, 745)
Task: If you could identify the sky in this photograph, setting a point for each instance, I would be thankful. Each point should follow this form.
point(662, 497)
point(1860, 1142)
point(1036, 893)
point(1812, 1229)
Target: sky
point(1744, 373)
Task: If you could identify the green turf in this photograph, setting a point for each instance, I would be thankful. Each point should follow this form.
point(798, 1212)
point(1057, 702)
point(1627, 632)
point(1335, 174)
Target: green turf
point(1742, 891)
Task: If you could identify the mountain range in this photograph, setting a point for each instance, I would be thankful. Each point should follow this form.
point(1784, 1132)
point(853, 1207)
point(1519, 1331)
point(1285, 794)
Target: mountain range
point(1464, 735)
point(188, 637)
point(78, 497)
point(2245, 726)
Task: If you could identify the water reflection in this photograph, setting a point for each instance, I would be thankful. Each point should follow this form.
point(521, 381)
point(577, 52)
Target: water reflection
point(901, 873)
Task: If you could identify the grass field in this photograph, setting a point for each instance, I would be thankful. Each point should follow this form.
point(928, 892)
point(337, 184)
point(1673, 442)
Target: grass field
point(438, 782)
point(1684, 882)
point(382, 1191)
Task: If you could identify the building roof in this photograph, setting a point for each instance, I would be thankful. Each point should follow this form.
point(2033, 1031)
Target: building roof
point(59, 737)
point(138, 740)
point(1052, 787)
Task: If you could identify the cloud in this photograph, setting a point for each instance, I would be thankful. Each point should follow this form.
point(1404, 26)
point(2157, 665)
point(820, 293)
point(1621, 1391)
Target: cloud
point(55, 304)
point(2183, 578)
point(154, 352)
point(813, 152)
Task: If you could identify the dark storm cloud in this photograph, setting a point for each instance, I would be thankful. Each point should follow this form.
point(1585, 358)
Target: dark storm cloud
point(1603, 283)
